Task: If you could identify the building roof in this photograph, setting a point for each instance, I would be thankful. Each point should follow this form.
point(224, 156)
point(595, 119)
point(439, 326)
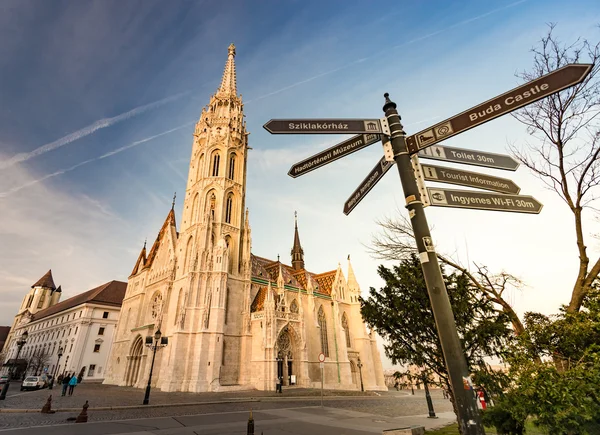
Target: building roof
point(111, 293)
point(45, 281)
point(169, 222)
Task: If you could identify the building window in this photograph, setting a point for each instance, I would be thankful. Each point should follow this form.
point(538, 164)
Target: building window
point(96, 348)
point(29, 301)
point(156, 305)
point(76, 328)
point(228, 207)
point(323, 325)
point(71, 348)
point(41, 301)
point(101, 331)
point(105, 315)
point(223, 358)
point(215, 162)
point(294, 306)
point(226, 304)
point(91, 370)
point(231, 173)
point(80, 313)
point(346, 330)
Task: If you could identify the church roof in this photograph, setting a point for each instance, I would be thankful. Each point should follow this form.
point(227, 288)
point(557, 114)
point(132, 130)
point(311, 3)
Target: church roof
point(169, 222)
point(45, 281)
point(259, 300)
point(111, 293)
point(325, 281)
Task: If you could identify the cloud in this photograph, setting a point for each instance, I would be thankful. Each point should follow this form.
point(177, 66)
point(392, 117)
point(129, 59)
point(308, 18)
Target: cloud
point(90, 129)
point(85, 162)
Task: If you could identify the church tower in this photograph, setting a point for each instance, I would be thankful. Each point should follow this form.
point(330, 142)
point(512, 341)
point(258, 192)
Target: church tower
point(212, 272)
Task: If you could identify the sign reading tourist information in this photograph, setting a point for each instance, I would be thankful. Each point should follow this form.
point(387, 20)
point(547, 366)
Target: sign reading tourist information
point(323, 126)
point(528, 93)
point(483, 200)
point(331, 154)
point(368, 183)
point(469, 157)
point(442, 174)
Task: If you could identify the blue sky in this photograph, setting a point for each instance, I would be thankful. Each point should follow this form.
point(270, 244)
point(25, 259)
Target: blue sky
point(148, 67)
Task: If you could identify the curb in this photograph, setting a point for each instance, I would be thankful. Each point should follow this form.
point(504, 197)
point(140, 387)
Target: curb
point(168, 405)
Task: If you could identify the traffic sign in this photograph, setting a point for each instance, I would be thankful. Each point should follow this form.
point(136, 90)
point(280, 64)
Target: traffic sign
point(323, 126)
point(321, 357)
point(469, 157)
point(483, 201)
point(442, 174)
point(331, 154)
point(521, 96)
point(367, 184)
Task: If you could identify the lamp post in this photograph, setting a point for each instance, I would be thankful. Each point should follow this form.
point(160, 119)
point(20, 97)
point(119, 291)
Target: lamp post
point(428, 398)
point(359, 365)
point(20, 343)
point(60, 354)
point(159, 341)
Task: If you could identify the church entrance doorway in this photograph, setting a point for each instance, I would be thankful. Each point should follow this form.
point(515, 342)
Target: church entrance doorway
point(354, 373)
point(285, 356)
point(134, 362)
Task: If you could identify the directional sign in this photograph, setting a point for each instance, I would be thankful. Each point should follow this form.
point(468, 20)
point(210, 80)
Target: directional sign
point(528, 93)
point(483, 200)
point(470, 179)
point(368, 183)
point(323, 126)
point(331, 154)
point(469, 157)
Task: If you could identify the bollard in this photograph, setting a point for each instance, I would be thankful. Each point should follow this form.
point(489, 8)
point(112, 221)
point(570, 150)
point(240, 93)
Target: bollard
point(47, 408)
point(250, 424)
point(83, 417)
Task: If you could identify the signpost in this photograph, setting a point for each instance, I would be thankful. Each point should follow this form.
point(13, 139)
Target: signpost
point(368, 183)
point(402, 147)
point(323, 126)
point(469, 157)
point(442, 174)
point(322, 365)
point(483, 200)
point(332, 154)
point(510, 101)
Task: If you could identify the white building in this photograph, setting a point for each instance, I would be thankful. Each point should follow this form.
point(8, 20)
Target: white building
point(82, 326)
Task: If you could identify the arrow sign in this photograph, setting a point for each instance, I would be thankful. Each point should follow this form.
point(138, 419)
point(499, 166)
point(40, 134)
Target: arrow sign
point(368, 183)
point(528, 93)
point(469, 157)
point(331, 154)
point(483, 201)
point(323, 126)
point(470, 179)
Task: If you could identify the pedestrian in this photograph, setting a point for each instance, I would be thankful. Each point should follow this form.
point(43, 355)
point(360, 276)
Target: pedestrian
point(281, 384)
point(72, 384)
point(65, 384)
point(59, 379)
point(278, 384)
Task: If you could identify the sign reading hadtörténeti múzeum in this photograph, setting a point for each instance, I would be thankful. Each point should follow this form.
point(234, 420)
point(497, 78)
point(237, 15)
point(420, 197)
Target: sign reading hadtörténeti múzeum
point(521, 96)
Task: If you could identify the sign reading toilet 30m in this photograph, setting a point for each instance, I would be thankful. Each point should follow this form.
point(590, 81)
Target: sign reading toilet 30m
point(528, 93)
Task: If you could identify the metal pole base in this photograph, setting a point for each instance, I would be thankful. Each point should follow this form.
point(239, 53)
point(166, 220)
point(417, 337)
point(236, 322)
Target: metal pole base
point(147, 396)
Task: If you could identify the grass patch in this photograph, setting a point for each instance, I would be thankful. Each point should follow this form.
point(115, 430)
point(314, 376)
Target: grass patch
point(530, 429)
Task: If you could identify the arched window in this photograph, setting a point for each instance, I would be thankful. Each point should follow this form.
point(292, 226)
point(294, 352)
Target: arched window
point(216, 160)
point(226, 306)
point(346, 330)
point(294, 306)
point(188, 255)
point(179, 307)
point(156, 305)
point(323, 326)
point(194, 217)
point(228, 208)
point(211, 203)
point(207, 311)
point(231, 173)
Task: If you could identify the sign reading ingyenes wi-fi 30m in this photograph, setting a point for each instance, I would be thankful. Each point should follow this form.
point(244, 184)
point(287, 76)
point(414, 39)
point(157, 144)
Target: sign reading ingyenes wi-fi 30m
point(510, 101)
point(483, 200)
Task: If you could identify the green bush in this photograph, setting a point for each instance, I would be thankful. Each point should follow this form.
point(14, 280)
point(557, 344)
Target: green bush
point(503, 421)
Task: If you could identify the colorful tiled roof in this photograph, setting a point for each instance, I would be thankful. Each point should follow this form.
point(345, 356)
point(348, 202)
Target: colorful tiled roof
point(259, 300)
point(45, 281)
point(111, 293)
point(325, 282)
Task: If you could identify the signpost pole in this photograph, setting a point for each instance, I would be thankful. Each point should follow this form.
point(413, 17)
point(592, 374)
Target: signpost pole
point(466, 407)
point(321, 385)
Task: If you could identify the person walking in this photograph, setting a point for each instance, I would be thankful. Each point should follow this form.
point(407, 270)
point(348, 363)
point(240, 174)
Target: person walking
point(72, 384)
point(65, 384)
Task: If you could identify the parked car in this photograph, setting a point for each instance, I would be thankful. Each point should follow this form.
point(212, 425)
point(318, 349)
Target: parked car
point(33, 383)
point(3, 379)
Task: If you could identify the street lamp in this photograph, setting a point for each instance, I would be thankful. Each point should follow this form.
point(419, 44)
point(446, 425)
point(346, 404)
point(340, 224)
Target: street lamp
point(428, 398)
point(60, 354)
point(159, 341)
point(20, 343)
point(359, 365)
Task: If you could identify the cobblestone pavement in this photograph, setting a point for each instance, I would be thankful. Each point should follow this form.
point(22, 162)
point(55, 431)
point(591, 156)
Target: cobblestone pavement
point(390, 404)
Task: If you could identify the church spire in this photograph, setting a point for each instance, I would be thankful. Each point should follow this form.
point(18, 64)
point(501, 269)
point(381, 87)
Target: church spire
point(228, 83)
point(297, 251)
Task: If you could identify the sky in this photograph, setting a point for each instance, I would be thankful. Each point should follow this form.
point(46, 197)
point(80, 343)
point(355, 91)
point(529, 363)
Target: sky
point(99, 101)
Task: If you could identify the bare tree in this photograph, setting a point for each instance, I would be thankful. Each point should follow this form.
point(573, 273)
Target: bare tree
point(566, 146)
point(396, 241)
point(37, 361)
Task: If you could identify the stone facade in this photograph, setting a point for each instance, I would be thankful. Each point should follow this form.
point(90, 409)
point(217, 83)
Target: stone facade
point(235, 320)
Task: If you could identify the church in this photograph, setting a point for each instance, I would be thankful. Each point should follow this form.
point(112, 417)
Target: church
point(235, 320)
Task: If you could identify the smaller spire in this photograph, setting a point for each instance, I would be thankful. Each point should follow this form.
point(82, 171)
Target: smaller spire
point(145, 240)
point(173, 204)
point(352, 282)
point(297, 251)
